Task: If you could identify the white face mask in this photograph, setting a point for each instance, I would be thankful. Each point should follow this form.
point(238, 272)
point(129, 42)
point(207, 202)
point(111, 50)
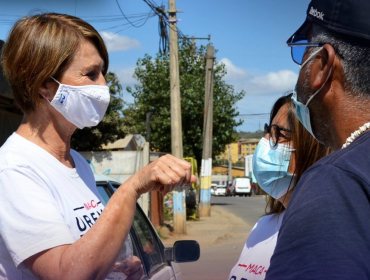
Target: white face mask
point(83, 106)
point(302, 110)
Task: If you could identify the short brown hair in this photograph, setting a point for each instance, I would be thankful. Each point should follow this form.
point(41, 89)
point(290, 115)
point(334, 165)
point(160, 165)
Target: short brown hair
point(40, 46)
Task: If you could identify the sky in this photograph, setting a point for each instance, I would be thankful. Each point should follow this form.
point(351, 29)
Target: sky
point(249, 36)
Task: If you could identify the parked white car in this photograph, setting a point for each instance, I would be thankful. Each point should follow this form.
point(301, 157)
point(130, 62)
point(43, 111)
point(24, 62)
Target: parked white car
point(213, 188)
point(241, 186)
point(221, 190)
point(159, 263)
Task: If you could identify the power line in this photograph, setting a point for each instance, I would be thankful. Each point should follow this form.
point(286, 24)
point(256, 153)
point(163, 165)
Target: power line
point(258, 114)
point(163, 24)
point(136, 26)
point(254, 116)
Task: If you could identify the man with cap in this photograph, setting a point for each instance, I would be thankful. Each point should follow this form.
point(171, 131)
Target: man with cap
point(325, 233)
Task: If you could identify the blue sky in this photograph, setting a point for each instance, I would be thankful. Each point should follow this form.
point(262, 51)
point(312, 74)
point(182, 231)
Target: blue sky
point(249, 35)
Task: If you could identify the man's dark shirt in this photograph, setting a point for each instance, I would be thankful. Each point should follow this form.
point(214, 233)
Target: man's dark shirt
point(325, 233)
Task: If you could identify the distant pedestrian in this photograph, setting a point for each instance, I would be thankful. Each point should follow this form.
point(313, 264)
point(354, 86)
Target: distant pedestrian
point(282, 155)
point(325, 232)
point(190, 199)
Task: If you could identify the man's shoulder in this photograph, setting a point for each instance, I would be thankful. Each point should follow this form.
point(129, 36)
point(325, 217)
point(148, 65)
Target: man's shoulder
point(354, 159)
point(341, 177)
point(327, 218)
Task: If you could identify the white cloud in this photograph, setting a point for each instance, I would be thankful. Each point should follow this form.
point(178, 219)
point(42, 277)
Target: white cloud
point(234, 73)
point(273, 82)
point(262, 90)
point(125, 76)
point(260, 83)
point(115, 42)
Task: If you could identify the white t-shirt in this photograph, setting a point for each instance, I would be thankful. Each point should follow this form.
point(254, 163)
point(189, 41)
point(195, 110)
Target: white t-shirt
point(43, 203)
point(255, 257)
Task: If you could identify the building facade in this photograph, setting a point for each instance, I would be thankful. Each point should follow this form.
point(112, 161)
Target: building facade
point(247, 146)
point(231, 151)
point(237, 151)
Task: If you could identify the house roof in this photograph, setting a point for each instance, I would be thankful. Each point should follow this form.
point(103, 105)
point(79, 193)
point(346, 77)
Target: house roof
point(119, 144)
point(130, 143)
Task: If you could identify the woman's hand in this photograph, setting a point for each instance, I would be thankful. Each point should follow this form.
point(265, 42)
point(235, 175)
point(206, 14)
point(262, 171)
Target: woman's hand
point(135, 269)
point(163, 174)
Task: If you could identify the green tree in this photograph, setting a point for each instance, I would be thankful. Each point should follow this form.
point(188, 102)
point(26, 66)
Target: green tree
point(110, 129)
point(152, 94)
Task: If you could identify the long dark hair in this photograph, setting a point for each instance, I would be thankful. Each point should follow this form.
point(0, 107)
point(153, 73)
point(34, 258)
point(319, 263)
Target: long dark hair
point(307, 149)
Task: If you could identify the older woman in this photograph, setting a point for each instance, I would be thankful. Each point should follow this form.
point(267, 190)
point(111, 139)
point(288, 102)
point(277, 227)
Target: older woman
point(55, 65)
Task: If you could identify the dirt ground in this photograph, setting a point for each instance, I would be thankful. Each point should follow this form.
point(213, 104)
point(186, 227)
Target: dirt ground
point(221, 228)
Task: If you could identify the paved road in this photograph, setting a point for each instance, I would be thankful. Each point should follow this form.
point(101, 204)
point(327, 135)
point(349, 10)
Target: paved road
point(216, 262)
point(250, 209)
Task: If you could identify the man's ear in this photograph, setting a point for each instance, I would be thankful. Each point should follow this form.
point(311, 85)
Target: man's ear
point(327, 62)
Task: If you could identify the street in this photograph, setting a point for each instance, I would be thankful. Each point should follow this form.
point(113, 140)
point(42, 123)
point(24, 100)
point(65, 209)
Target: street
point(217, 259)
point(249, 209)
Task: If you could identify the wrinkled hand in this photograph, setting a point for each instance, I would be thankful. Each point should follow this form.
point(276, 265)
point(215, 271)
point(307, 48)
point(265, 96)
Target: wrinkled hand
point(164, 174)
point(135, 269)
point(121, 265)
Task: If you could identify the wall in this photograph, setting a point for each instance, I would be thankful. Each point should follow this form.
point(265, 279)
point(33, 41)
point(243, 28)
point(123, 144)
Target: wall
point(120, 165)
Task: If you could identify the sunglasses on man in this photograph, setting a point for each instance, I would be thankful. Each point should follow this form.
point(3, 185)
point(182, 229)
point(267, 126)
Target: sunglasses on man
point(298, 45)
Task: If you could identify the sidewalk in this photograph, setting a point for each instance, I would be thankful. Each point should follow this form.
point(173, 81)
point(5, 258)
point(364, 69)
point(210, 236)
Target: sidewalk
point(220, 228)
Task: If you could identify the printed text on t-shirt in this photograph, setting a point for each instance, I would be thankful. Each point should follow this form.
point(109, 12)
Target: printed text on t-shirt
point(254, 268)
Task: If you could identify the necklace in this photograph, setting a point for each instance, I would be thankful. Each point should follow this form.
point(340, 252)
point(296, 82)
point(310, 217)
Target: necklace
point(355, 134)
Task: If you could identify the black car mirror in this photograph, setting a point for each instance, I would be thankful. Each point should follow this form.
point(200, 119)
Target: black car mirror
point(183, 251)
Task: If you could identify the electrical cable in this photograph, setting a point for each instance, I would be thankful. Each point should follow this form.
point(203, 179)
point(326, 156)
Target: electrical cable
point(163, 24)
point(163, 35)
point(136, 26)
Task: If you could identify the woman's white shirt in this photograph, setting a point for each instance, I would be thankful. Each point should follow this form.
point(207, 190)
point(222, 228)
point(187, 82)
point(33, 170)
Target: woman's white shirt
point(258, 249)
point(43, 203)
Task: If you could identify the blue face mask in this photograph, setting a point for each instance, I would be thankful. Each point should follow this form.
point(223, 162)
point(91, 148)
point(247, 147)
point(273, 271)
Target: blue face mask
point(270, 167)
point(302, 110)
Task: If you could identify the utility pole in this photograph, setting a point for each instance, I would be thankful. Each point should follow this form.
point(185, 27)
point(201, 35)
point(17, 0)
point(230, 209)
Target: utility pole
point(148, 115)
point(179, 209)
point(230, 175)
point(206, 173)
point(199, 38)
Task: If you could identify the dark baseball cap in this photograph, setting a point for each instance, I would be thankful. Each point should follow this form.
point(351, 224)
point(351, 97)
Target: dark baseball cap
point(350, 17)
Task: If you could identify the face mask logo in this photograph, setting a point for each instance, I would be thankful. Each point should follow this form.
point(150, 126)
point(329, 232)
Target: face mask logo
point(62, 98)
point(83, 106)
point(302, 110)
point(270, 167)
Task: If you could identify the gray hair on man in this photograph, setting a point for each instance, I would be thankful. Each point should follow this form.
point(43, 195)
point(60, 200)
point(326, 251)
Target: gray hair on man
point(354, 55)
